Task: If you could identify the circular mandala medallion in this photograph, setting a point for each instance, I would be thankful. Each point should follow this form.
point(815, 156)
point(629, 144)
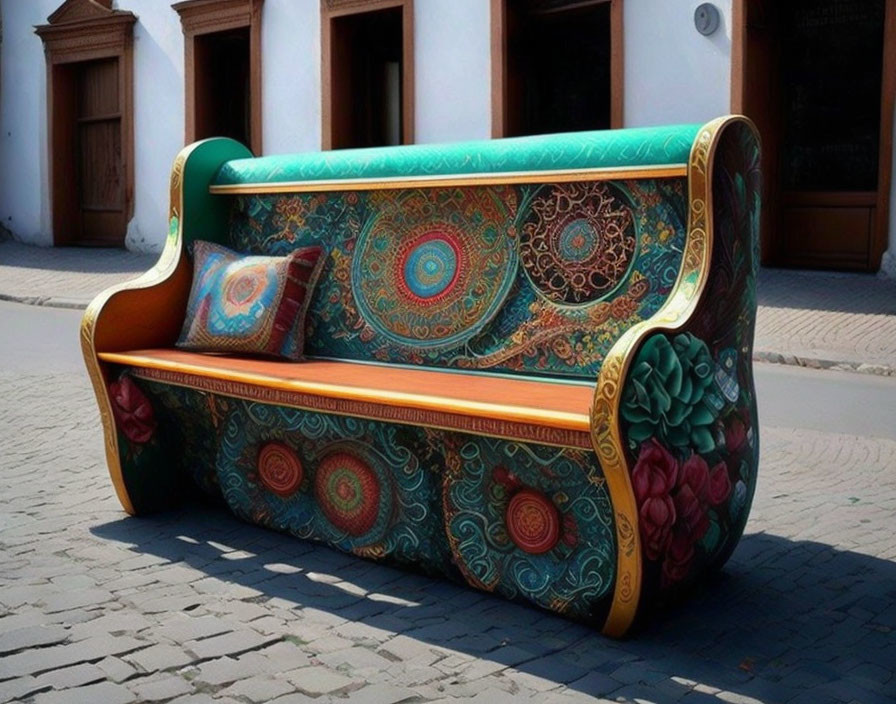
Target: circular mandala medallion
point(279, 468)
point(430, 266)
point(244, 287)
point(433, 267)
point(578, 242)
point(348, 492)
point(532, 521)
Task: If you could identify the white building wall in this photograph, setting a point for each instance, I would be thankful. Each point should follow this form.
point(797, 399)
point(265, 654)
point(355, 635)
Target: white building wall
point(24, 183)
point(158, 117)
point(290, 67)
point(452, 70)
point(888, 264)
point(673, 74)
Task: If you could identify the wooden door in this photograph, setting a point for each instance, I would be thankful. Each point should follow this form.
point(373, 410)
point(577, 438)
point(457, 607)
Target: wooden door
point(99, 167)
point(813, 79)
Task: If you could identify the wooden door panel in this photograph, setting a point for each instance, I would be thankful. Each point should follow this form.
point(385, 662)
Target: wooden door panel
point(827, 237)
point(100, 164)
point(102, 187)
point(99, 89)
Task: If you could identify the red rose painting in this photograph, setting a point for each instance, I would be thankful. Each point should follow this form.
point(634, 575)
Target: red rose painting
point(132, 410)
point(653, 478)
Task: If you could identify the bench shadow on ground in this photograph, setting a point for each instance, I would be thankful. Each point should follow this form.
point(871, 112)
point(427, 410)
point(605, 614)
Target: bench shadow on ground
point(782, 614)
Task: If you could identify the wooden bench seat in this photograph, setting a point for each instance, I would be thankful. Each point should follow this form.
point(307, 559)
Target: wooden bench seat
point(522, 408)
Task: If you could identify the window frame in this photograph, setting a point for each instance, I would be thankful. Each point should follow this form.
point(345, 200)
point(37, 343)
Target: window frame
point(200, 17)
point(499, 41)
point(334, 9)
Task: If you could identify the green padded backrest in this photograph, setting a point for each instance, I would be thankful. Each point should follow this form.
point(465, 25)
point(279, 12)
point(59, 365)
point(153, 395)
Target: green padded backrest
point(537, 277)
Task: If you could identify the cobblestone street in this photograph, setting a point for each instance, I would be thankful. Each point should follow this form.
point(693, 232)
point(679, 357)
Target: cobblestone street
point(195, 606)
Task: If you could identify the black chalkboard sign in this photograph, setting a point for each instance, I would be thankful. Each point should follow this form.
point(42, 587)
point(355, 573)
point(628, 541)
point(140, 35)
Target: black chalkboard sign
point(831, 69)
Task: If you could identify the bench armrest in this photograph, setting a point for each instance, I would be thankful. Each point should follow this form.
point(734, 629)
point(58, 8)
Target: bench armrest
point(674, 412)
point(149, 311)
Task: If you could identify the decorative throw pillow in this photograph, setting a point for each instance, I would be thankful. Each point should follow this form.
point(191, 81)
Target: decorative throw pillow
point(253, 304)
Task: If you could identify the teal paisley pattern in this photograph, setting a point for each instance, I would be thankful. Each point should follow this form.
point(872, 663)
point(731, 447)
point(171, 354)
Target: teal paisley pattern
point(469, 277)
point(645, 146)
point(558, 551)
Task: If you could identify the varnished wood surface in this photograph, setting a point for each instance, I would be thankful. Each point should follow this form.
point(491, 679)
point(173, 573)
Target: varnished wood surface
point(549, 403)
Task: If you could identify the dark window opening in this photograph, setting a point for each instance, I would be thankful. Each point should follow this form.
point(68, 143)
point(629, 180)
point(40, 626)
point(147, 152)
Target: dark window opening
point(831, 71)
point(223, 107)
point(366, 77)
point(558, 66)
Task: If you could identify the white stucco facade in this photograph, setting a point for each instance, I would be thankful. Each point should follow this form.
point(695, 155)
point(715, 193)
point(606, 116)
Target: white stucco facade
point(672, 75)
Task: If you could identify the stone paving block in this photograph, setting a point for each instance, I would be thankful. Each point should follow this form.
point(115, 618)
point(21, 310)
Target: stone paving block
point(381, 694)
point(496, 696)
point(180, 628)
point(110, 623)
point(117, 669)
point(328, 644)
point(20, 688)
point(153, 690)
point(355, 659)
point(524, 679)
point(74, 599)
point(200, 698)
point(75, 676)
point(405, 648)
point(258, 689)
point(104, 692)
point(23, 619)
point(169, 604)
point(297, 698)
point(596, 684)
point(31, 636)
point(283, 657)
point(225, 670)
point(232, 643)
point(42, 659)
point(160, 657)
point(316, 680)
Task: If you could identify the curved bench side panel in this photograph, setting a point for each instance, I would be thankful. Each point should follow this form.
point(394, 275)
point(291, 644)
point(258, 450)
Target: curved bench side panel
point(673, 386)
point(148, 312)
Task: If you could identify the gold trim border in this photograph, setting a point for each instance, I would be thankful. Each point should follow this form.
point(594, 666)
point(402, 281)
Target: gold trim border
point(489, 179)
point(606, 434)
point(163, 270)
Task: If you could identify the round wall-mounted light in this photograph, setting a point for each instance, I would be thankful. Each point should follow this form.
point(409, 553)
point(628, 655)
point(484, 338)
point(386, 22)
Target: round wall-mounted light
point(706, 18)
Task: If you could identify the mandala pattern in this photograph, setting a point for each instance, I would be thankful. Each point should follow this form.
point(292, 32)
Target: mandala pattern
point(365, 488)
point(279, 469)
point(578, 242)
point(542, 531)
point(433, 276)
point(532, 521)
point(432, 267)
point(348, 492)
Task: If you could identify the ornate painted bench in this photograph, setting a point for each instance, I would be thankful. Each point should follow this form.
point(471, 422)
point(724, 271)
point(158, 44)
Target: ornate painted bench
point(561, 411)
